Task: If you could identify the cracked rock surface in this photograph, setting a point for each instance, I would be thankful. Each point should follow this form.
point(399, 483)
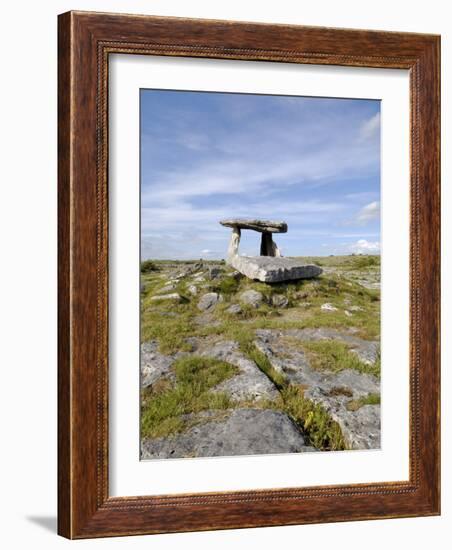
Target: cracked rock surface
point(235, 432)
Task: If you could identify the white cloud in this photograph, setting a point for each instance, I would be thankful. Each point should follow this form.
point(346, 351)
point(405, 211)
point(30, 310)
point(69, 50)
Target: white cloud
point(362, 245)
point(234, 164)
point(241, 160)
point(371, 127)
point(182, 214)
point(368, 213)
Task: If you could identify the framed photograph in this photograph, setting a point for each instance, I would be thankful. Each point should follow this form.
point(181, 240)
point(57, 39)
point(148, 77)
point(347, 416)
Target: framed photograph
point(248, 275)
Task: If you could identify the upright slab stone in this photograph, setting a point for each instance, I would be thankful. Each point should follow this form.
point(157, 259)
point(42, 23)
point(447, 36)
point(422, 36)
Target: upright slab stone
point(270, 266)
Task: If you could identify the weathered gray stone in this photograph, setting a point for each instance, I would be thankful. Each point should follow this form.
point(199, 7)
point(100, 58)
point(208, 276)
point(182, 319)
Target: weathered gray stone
point(252, 298)
point(214, 272)
point(366, 350)
point(208, 301)
point(362, 384)
point(290, 361)
point(263, 226)
point(361, 428)
point(236, 432)
point(270, 269)
point(251, 383)
point(328, 307)
point(154, 365)
point(234, 309)
point(279, 300)
point(187, 270)
point(164, 297)
point(192, 289)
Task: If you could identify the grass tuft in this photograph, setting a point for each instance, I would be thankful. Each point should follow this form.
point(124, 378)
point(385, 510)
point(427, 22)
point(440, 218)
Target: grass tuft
point(162, 412)
point(335, 356)
point(319, 429)
point(371, 399)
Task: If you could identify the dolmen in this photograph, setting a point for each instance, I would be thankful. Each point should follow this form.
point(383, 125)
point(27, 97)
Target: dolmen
point(269, 266)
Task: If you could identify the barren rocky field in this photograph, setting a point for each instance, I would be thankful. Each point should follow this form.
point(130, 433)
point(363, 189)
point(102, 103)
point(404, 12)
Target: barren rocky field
point(231, 366)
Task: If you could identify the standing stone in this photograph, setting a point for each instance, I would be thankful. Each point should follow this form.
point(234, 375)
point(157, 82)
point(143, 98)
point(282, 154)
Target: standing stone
point(268, 245)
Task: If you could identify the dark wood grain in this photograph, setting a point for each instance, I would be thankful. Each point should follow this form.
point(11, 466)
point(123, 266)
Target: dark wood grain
point(85, 42)
point(64, 295)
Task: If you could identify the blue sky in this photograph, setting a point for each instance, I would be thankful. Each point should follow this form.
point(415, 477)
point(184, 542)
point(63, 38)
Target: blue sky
point(311, 162)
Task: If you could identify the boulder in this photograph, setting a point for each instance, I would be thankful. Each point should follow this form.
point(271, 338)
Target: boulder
point(208, 301)
point(235, 309)
point(252, 298)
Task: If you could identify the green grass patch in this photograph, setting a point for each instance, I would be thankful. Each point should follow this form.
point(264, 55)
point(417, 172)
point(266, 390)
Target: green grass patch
point(169, 325)
point(319, 429)
point(148, 266)
point(334, 356)
point(265, 366)
point(226, 286)
point(364, 262)
point(371, 399)
point(162, 412)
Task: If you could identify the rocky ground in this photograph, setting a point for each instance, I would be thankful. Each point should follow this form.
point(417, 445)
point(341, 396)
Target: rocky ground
point(231, 366)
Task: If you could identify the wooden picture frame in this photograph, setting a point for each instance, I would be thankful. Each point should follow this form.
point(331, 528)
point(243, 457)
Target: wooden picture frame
point(85, 42)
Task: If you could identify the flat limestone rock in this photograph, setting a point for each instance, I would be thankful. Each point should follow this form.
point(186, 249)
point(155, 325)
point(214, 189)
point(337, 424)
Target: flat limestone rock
point(239, 432)
point(263, 226)
point(271, 269)
point(333, 391)
point(366, 350)
point(250, 383)
point(154, 365)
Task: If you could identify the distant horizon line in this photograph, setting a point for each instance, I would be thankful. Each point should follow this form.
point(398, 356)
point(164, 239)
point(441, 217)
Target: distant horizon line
point(197, 259)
